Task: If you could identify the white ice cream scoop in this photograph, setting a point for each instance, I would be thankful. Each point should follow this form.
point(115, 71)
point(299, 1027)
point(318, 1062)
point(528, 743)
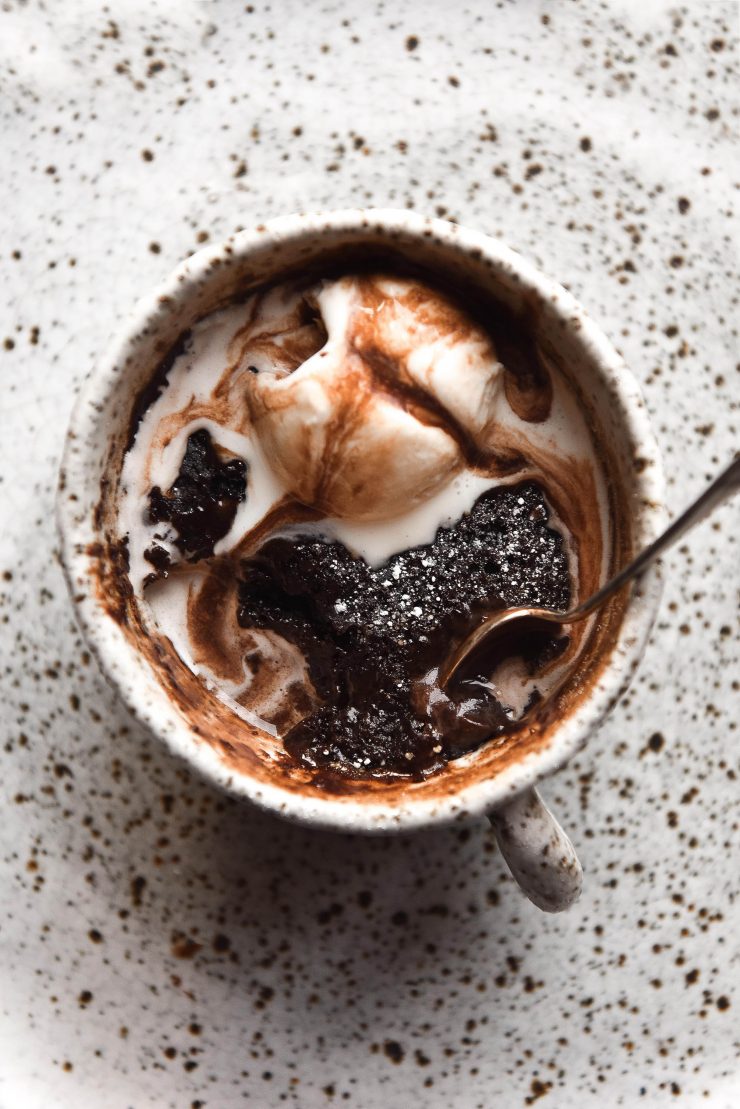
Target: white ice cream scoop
point(369, 426)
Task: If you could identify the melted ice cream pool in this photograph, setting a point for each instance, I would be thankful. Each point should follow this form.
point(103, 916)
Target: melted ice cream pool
point(375, 401)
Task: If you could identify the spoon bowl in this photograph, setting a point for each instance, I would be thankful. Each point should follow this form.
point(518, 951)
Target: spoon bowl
point(503, 622)
point(498, 626)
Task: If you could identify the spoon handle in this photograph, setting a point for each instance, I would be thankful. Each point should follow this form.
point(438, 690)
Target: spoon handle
point(719, 491)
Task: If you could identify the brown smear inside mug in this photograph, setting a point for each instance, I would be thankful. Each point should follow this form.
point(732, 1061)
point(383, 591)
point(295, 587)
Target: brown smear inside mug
point(527, 333)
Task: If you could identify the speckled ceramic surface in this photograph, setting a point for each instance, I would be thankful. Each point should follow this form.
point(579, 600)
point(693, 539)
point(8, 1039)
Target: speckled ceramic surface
point(162, 945)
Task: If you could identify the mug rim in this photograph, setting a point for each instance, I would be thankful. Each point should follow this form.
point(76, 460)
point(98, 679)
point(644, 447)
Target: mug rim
point(125, 667)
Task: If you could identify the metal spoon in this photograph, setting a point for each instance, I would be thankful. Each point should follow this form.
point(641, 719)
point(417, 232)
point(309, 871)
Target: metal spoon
point(720, 490)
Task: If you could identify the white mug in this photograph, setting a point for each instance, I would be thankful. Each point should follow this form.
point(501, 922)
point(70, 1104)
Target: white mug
point(496, 781)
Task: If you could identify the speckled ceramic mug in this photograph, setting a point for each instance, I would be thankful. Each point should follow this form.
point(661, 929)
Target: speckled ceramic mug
point(495, 780)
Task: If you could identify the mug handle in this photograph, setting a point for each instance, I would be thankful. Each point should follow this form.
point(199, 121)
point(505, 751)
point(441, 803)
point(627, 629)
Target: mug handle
point(538, 853)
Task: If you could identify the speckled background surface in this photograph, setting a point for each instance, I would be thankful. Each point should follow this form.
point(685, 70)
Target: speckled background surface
point(163, 946)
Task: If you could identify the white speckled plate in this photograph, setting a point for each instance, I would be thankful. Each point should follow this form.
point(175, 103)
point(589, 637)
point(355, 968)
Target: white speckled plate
point(163, 946)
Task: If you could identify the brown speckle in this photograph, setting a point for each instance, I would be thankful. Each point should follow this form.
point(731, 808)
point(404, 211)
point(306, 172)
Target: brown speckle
point(394, 1051)
point(184, 947)
point(539, 1090)
point(137, 888)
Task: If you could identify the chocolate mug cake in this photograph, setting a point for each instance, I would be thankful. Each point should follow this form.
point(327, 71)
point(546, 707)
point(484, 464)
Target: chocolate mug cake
point(316, 457)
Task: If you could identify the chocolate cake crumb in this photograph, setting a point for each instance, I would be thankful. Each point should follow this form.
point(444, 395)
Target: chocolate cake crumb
point(160, 559)
point(371, 634)
point(202, 502)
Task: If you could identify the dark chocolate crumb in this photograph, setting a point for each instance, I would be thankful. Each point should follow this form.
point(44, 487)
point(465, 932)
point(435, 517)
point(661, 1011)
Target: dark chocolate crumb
point(202, 502)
